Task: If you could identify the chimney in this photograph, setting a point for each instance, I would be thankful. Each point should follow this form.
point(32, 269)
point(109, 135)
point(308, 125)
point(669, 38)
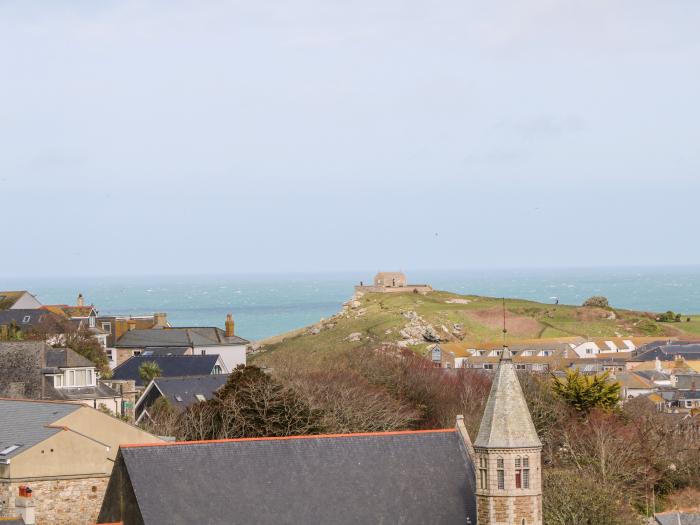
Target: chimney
point(132, 324)
point(657, 364)
point(160, 320)
point(81, 301)
point(25, 505)
point(229, 325)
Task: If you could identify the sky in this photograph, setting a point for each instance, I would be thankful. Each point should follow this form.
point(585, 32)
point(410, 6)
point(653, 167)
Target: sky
point(145, 137)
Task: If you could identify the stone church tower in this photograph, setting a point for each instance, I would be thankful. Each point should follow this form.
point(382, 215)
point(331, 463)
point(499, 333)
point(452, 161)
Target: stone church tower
point(507, 455)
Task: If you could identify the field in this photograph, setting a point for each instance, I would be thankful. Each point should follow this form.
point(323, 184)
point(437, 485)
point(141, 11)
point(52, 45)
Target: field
point(375, 319)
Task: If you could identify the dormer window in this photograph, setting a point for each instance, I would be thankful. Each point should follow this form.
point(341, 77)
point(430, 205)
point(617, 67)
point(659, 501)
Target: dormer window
point(75, 377)
point(91, 321)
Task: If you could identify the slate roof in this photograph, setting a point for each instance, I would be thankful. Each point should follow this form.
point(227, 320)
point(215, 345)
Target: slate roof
point(688, 381)
point(65, 358)
point(25, 423)
point(506, 422)
point(677, 518)
point(181, 391)
point(173, 337)
point(165, 350)
point(28, 318)
point(631, 380)
point(170, 366)
point(667, 352)
point(407, 478)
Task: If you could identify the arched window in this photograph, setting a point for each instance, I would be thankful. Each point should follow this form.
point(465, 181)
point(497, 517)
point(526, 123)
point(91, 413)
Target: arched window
point(518, 473)
point(500, 470)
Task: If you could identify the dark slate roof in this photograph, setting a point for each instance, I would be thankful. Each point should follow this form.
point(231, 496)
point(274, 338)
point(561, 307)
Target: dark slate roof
point(174, 337)
point(170, 365)
point(667, 352)
point(66, 358)
point(687, 394)
point(678, 518)
point(27, 318)
point(408, 478)
point(688, 381)
point(25, 423)
point(181, 391)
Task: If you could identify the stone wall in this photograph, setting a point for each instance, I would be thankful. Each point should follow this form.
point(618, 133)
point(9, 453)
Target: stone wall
point(60, 501)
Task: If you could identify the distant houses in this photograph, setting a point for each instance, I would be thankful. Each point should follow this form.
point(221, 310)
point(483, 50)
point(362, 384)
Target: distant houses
point(65, 453)
point(169, 366)
point(179, 392)
point(35, 370)
point(185, 341)
point(18, 300)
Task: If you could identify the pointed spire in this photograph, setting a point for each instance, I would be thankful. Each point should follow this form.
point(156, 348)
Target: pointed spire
point(506, 422)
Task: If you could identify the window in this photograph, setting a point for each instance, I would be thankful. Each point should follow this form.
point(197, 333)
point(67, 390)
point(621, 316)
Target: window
point(483, 473)
point(518, 474)
point(501, 474)
point(91, 321)
point(26, 319)
point(203, 352)
point(9, 449)
point(107, 327)
point(519, 366)
point(526, 472)
point(77, 377)
point(488, 366)
point(200, 397)
point(217, 369)
point(57, 381)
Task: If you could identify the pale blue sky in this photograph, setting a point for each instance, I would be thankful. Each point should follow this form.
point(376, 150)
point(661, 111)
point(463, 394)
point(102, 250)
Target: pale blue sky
point(176, 137)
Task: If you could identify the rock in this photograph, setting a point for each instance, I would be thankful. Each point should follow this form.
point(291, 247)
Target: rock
point(315, 330)
point(445, 329)
point(458, 301)
point(361, 312)
point(388, 331)
point(353, 337)
point(355, 304)
point(430, 335)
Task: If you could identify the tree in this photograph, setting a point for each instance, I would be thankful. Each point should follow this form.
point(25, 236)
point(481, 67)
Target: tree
point(250, 404)
point(149, 370)
point(597, 301)
point(83, 342)
point(572, 499)
point(587, 392)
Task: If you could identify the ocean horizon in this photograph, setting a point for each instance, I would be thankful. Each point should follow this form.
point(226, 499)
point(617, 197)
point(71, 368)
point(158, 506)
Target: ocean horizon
point(268, 304)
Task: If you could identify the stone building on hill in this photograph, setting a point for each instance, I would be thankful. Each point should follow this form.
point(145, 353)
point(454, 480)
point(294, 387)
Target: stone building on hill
point(392, 282)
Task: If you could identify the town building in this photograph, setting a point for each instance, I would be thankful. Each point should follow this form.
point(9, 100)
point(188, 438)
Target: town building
point(169, 366)
point(412, 477)
point(82, 317)
point(18, 300)
point(117, 325)
point(23, 323)
point(180, 392)
point(64, 453)
point(392, 282)
point(185, 340)
point(35, 370)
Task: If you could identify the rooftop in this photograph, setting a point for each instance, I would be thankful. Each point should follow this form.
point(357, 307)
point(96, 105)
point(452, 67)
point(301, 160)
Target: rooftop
point(170, 366)
point(26, 423)
point(174, 337)
point(394, 477)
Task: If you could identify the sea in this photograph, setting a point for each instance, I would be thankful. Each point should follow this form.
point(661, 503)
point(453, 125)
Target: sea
point(268, 304)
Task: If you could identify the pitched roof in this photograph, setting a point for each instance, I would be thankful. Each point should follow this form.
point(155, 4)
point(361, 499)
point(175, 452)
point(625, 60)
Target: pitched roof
point(667, 352)
point(170, 366)
point(25, 423)
point(631, 380)
point(27, 318)
point(506, 422)
point(403, 477)
point(181, 391)
point(65, 358)
point(172, 337)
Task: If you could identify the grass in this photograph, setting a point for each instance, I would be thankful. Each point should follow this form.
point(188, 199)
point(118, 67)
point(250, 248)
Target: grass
point(379, 318)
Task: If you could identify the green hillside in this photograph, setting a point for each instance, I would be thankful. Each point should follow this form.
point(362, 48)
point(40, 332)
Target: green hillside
point(414, 320)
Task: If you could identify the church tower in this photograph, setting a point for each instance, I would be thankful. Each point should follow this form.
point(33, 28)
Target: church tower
point(507, 455)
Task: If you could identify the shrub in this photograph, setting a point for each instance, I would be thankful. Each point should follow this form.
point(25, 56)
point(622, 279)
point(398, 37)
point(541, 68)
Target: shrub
point(597, 301)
